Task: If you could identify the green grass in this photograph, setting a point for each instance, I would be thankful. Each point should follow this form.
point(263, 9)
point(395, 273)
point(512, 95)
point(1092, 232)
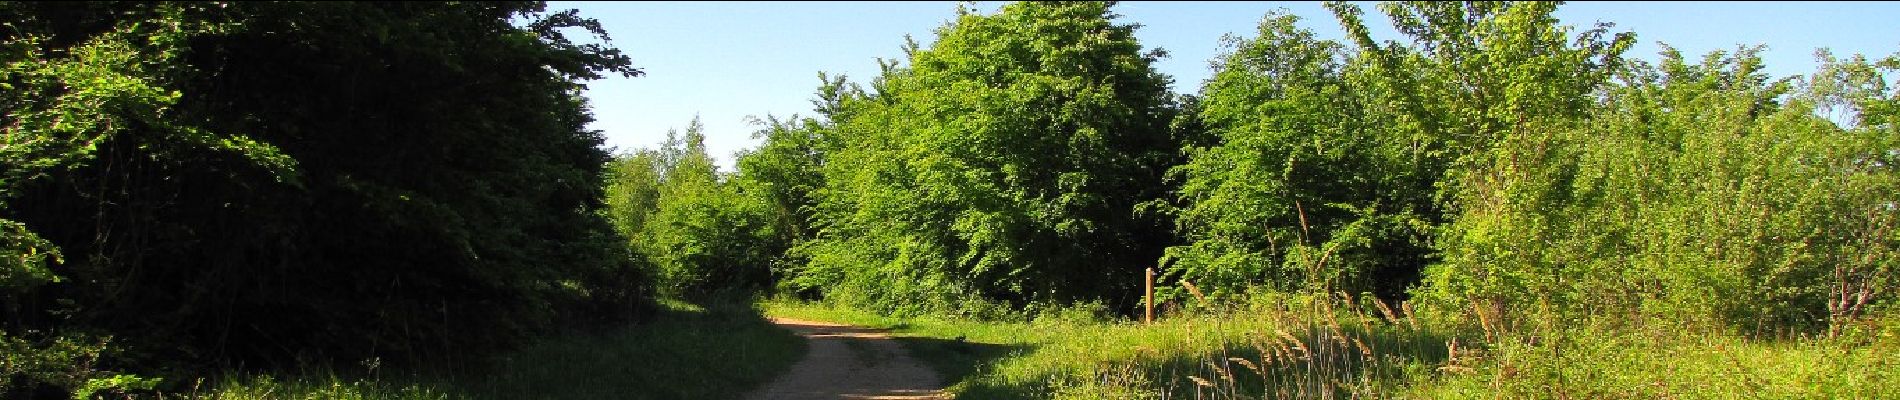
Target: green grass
point(1286, 347)
point(1676, 361)
point(318, 387)
point(1297, 348)
point(717, 351)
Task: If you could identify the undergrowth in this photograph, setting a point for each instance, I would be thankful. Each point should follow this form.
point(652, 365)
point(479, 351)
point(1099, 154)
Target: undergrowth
point(1323, 347)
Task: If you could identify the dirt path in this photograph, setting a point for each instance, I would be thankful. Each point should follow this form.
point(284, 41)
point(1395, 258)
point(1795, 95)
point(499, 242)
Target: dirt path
point(848, 362)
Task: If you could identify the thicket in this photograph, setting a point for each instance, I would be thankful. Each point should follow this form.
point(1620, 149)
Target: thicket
point(706, 233)
point(1003, 165)
point(212, 184)
point(1491, 165)
point(192, 185)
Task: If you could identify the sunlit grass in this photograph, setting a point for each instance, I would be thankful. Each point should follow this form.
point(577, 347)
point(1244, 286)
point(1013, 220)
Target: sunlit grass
point(1665, 361)
point(1287, 348)
point(1298, 348)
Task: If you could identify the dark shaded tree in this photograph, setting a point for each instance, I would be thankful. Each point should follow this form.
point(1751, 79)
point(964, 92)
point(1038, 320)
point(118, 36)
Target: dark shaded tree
point(266, 182)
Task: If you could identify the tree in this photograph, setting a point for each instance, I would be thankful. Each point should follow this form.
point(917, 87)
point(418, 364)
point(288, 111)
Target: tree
point(781, 176)
point(1297, 188)
point(702, 233)
point(259, 182)
point(1004, 163)
point(1705, 192)
point(1332, 169)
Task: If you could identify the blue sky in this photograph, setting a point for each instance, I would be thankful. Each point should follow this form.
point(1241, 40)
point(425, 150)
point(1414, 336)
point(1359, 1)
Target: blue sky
point(725, 61)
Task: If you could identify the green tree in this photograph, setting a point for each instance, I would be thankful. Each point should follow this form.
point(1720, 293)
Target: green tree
point(1332, 168)
point(781, 176)
point(71, 85)
point(263, 182)
point(1700, 191)
point(1004, 163)
point(703, 235)
point(633, 192)
point(1298, 188)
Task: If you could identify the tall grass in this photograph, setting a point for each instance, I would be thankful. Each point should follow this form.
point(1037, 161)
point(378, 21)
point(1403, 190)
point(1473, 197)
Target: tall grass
point(1334, 347)
point(1637, 359)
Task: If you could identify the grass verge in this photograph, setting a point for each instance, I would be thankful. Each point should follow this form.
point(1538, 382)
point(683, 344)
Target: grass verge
point(714, 351)
point(1302, 347)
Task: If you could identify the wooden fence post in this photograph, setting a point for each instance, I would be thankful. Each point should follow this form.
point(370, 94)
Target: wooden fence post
point(1148, 288)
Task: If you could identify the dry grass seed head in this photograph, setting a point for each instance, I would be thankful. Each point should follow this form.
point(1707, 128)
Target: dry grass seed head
point(1249, 364)
point(1339, 336)
point(1194, 290)
point(1221, 369)
point(1266, 356)
point(1294, 342)
point(1411, 318)
point(1386, 311)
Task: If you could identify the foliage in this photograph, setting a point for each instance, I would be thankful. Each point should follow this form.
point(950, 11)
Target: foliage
point(1706, 192)
point(1330, 169)
point(703, 232)
point(1005, 164)
point(1479, 77)
point(1519, 167)
point(782, 175)
point(188, 185)
point(633, 192)
point(35, 364)
point(257, 183)
point(1307, 181)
